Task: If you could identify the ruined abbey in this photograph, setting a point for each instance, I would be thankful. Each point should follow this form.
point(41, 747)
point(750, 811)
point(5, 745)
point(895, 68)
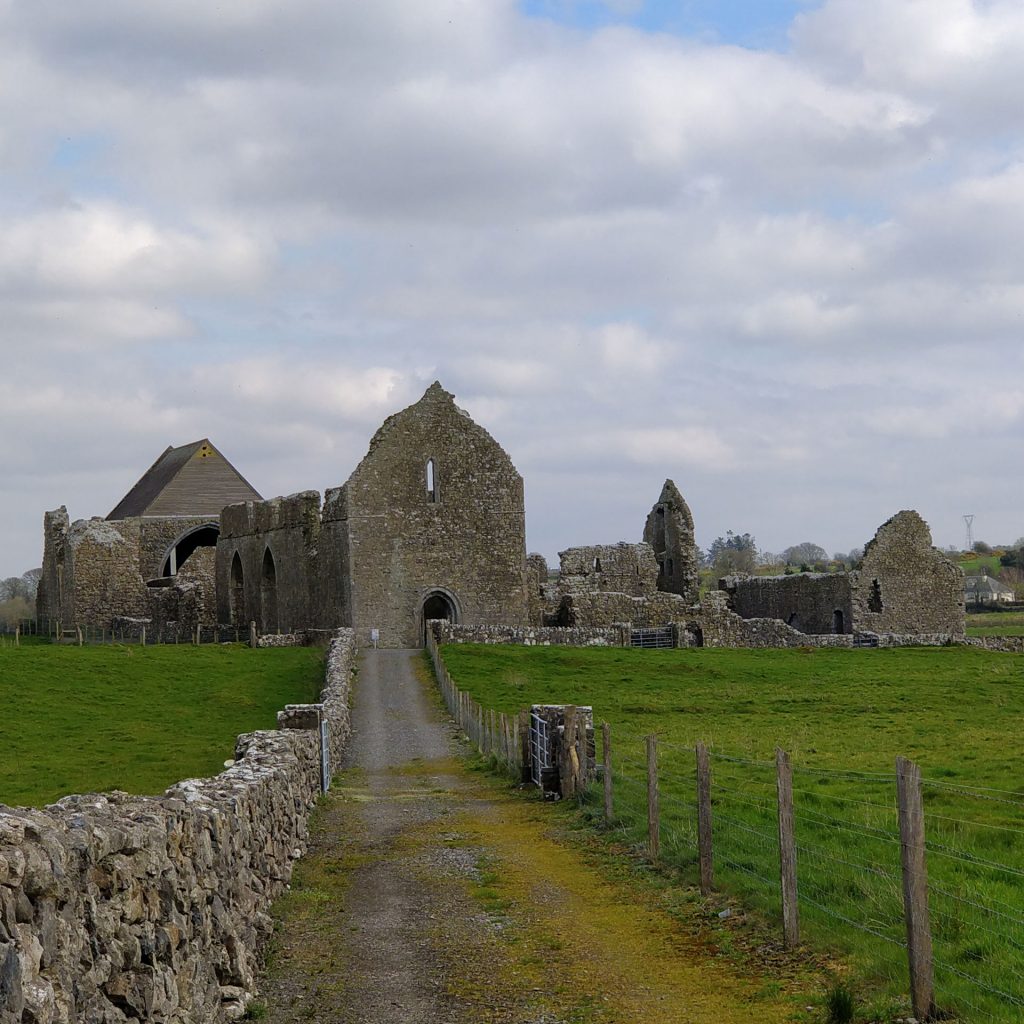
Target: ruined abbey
point(431, 525)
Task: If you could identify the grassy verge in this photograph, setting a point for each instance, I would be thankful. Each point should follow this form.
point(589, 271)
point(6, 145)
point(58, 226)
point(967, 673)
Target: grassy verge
point(843, 716)
point(79, 720)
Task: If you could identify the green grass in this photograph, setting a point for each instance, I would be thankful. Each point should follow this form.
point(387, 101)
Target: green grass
point(843, 716)
point(90, 719)
point(979, 564)
point(995, 623)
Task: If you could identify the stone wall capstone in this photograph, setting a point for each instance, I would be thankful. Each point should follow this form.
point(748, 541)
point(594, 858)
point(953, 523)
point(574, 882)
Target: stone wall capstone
point(116, 907)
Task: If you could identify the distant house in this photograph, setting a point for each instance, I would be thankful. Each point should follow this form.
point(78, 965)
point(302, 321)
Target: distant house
point(986, 590)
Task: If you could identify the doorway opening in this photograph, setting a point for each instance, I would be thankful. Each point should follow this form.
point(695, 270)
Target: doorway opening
point(438, 604)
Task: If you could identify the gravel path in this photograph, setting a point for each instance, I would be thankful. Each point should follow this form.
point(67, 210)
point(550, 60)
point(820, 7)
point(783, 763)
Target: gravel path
point(432, 895)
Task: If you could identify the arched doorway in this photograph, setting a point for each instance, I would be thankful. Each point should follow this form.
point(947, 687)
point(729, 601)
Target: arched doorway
point(437, 604)
point(236, 592)
point(268, 594)
point(198, 537)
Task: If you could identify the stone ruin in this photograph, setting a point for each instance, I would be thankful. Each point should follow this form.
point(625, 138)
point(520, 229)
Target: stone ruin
point(431, 525)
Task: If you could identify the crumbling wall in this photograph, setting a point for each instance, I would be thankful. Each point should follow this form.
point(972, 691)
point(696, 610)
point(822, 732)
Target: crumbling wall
point(592, 608)
point(50, 595)
point(114, 907)
point(282, 589)
point(156, 537)
point(669, 531)
point(809, 602)
point(619, 568)
point(191, 599)
point(905, 585)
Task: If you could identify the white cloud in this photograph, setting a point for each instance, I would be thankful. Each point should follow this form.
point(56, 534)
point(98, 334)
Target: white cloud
point(789, 275)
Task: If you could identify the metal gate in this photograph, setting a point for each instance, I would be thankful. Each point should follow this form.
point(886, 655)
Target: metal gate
point(663, 637)
point(540, 749)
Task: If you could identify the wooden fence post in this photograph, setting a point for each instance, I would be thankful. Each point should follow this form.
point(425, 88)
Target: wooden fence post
point(915, 887)
point(78, 630)
point(567, 753)
point(525, 753)
point(787, 851)
point(17, 636)
point(252, 634)
point(704, 838)
point(653, 809)
point(606, 736)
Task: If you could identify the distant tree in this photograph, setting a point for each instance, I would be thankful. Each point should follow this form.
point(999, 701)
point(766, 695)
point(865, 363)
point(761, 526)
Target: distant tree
point(24, 586)
point(1012, 558)
point(735, 552)
point(14, 609)
point(804, 554)
point(981, 548)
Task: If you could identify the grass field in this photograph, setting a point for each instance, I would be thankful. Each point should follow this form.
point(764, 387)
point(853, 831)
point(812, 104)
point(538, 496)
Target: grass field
point(89, 719)
point(995, 623)
point(980, 564)
point(843, 716)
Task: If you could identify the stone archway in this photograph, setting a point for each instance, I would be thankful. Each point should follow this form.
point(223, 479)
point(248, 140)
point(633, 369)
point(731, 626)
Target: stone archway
point(204, 536)
point(437, 604)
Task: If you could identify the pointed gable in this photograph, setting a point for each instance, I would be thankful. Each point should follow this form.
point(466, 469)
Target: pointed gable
point(193, 480)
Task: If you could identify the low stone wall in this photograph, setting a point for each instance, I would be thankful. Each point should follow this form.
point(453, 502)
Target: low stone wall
point(540, 636)
point(115, 907)
point(1009, 644)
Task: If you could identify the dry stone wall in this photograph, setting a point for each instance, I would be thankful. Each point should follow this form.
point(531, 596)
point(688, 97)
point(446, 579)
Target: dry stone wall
point(114, 907)
point(532, 636)
point(617, 568)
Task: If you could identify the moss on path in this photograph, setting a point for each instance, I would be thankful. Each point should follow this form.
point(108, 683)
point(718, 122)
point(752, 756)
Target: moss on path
point(433, 893)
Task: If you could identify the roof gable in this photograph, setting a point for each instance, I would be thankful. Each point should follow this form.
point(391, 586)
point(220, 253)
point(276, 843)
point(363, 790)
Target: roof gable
point(193, 480)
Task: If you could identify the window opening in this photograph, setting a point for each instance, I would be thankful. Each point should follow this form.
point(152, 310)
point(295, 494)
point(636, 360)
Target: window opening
point(838, 624)
point(431, 481)
point(875, 597)
point(268, 593)
point(597, 565)
point(237, 592)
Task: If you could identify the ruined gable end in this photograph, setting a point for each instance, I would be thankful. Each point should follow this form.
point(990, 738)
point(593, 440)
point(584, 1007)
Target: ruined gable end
point(905, 585)
point(669, 531)
point(434, 525)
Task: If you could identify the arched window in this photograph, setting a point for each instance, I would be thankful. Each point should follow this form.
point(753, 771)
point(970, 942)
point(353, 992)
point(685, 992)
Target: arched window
point(432, 488)
point(268, 594)
point(236, 592)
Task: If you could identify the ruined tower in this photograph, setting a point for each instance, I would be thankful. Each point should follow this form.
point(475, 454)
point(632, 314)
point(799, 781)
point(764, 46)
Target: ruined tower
point(669, 531)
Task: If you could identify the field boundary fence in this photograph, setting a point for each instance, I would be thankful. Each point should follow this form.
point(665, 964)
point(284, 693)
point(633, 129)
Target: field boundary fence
point(494, 733)
point(127, 631)
point(873, 853)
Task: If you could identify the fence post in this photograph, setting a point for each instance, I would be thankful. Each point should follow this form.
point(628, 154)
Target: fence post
point(606, 736)
point(653, 810)
point(704, 839)
point(915, 887)
point(78, 630)
point(252, 633)
point(142, 636)
point(567, 753)
point(787, 851)
point(524, 744)
point(17, 636)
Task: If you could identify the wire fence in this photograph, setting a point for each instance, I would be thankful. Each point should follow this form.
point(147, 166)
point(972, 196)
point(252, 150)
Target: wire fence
point(126, 631)
point(952, 921)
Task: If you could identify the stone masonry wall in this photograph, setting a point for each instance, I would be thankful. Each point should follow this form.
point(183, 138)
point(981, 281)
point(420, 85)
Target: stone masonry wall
point(809, 602)
point(463, 543)
point(618, 568)
point(114, 907)
point(905, 585)
point(532, 636)
point(669, 531)
point(289, 529)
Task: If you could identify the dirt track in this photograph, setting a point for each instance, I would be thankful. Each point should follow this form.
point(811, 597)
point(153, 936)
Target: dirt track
point(432, 894)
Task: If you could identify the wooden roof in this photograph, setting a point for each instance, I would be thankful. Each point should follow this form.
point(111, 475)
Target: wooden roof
point(193, 480)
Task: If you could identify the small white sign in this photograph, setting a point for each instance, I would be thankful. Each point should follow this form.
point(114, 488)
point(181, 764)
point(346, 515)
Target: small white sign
point(375, 635)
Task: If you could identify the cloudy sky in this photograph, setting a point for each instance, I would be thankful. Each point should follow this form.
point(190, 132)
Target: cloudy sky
point(773, 249)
